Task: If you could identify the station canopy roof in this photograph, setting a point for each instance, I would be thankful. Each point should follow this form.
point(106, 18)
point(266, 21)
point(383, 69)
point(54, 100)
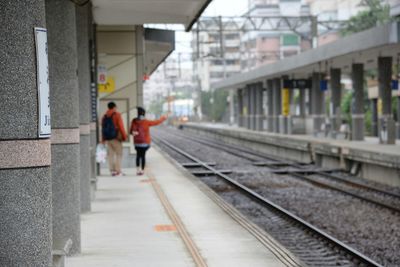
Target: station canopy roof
point(137, 12)
point(363, 47)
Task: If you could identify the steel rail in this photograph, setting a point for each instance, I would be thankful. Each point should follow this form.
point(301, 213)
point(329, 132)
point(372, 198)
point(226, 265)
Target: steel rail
point(338, 178)
point(356, 254)
point(311, 180)
point(341, 190)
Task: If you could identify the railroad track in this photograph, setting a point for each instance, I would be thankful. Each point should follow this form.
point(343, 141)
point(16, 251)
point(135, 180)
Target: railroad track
point(325, 250)
point(388, 200)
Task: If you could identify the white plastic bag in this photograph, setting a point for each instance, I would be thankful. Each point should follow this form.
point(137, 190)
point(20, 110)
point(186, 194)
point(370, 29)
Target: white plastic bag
point(101, 153)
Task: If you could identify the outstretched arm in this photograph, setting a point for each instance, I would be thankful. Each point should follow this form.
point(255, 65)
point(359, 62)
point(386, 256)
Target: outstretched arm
point(157, 122)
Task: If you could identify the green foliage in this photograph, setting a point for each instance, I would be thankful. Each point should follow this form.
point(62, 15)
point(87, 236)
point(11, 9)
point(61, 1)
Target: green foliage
point(206, 106)
point(346, 106)
point(214, 104)
point(327, 104)
point(156, 108)
point(376, 14)
point(395, 99)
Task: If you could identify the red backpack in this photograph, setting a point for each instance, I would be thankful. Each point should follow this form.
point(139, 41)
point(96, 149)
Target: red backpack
point(138, 127)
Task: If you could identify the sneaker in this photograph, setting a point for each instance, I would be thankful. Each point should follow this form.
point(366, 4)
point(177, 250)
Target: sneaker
point(119, 174)
point(113, 173)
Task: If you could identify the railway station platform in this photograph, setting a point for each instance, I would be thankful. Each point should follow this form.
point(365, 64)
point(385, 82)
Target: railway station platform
point(168, 218)
point(366, 159)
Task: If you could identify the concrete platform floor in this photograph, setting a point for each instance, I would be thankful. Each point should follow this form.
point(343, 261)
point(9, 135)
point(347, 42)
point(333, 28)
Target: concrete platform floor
point(129, 226)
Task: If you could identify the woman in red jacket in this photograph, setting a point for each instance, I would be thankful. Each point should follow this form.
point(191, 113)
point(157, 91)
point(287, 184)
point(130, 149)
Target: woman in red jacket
point(140, 129)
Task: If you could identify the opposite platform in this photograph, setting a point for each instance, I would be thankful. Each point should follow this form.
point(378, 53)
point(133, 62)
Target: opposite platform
point(365, 159)
point(165, 219)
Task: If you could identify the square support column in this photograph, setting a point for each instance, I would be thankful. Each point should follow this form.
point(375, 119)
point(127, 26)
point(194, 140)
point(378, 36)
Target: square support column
point(374, 116)
point(336, 96)
point(270, 111)
point(317, 99)
point(398, 117)
point(231, 107)
point(386, 122)
point(259, 107)
point(284, 117)
point(277, 103)
point(240, 107)
point(357, 116)
point(246, 101)
point(252, 106)
point(302, 102)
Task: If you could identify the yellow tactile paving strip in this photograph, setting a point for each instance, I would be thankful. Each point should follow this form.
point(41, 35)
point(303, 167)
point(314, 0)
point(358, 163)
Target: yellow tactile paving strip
point(189, 243)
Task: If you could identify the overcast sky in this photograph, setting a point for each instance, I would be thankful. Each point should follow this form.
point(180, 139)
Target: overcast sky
point(226, 8)
point(215, 8)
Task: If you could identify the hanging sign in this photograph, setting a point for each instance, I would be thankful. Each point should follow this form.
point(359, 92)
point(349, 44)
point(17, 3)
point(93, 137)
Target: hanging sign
point(297, 83)
point(395, 85)
point(42, 66)
point(323, 85)
point(101, 74)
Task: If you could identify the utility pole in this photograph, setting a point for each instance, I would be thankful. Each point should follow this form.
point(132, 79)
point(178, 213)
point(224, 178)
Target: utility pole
point(314, 31)
point(198, 42)
point(179, 65)
point(196, 73)
point(222, 45)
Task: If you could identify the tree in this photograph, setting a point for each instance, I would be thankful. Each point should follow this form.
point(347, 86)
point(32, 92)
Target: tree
point(374, 15)
point(214, 104)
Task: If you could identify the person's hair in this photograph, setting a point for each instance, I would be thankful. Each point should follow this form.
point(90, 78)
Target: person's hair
point(141, 111)
point(111, 105)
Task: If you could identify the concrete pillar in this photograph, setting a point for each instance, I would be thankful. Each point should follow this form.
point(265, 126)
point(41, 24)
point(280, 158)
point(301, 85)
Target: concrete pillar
point(285, 108)
point(374, 117)
point(317, 99)
point(25, 176)
point(255, 103)
point(139, 63)
point(270, 101)
point(386, 122)
point(248, 107)
point(64, 93)
point(231, 107)
point(82, 30)
point(398, 117)
point(259, 107)
point(336, 96)
point(252, 105)
point(245, 107)
point(357, 116)
point(240, 107)
point(277, 103)
point(93, 98)
point(302, 102)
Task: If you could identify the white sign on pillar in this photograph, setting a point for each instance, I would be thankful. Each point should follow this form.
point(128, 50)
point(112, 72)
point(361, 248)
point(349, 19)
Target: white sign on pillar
point(42, 66)
point(101, 74)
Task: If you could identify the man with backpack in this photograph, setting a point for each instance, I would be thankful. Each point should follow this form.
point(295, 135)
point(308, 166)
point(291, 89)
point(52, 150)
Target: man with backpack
point(113, 134)
point(140, 129)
